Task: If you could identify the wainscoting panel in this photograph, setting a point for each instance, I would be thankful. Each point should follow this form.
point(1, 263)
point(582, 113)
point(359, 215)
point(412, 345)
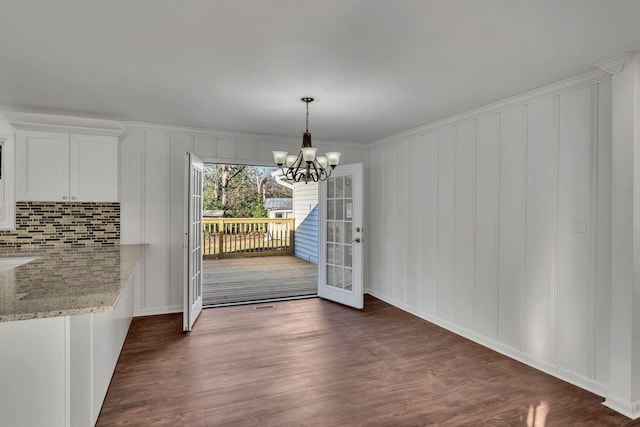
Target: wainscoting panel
point(401, 229)
point(513, 157)
point(446, 203)
point(602, 294)
point(576, 231)
point(156, 215)
point(389, 226)
point(512, 245)
point(542, 230)
point(415, 218)
point(428, 239)
point(465, 239)
point(486, 226)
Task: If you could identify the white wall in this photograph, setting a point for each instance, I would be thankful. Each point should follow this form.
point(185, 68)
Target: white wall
point(624, 385)
point(152, 195)
point(474, 223)
point(305, 210)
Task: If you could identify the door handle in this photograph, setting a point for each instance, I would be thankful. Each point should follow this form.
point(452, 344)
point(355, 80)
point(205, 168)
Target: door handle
point(357, 240)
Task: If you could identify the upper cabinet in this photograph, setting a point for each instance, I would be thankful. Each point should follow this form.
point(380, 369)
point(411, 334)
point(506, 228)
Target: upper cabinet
point(60, 167)
point(93, 168)
point(7, 178)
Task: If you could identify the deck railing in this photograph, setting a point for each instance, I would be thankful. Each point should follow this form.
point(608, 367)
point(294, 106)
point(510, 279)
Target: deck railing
point(228, 237)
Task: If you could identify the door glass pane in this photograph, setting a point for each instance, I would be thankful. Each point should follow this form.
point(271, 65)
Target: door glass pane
point(347, 256)
point(330, 235)
point(348, 282)
point(339, 187)
point(331, 271)
point(348, 234)
point(339, 280)
point(330, 188)
point(339, 236)
point(348, 209)
point(331, 253)
point(339, 208)
point(348, 186)
point(330, 209)
point(339, 255)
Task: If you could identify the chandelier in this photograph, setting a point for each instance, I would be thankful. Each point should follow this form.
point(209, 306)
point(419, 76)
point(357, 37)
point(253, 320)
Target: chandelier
point(306, 166)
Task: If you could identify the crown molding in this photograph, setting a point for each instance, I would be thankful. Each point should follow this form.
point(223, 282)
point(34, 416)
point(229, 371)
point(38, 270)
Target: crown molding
point(572, 83)
point(214, 133)
point(616, 64)
point(67, 124)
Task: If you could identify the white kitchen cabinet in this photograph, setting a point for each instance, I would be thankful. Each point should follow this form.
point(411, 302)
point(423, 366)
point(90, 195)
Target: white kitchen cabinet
point(59, 167)
point(7, 182)
point(55, 371)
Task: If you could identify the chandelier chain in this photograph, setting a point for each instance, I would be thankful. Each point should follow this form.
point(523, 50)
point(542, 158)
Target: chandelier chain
point(307, 129)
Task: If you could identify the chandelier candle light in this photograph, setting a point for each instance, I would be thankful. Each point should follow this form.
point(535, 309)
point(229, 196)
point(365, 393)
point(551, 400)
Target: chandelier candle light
point(306, 166)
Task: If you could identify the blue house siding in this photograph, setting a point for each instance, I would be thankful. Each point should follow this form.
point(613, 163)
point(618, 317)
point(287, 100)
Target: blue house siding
point(305, 210)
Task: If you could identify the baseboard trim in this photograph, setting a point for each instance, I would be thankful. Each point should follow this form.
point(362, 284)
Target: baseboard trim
point(553, 370)
point(631, 410)
point(139, 312)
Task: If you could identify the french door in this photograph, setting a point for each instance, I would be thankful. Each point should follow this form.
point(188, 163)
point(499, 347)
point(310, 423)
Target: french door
point(341, 236)
point(193, 243)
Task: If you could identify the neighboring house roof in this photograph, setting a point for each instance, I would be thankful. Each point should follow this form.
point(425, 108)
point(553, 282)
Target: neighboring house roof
point(213, 213)
point(278, 203)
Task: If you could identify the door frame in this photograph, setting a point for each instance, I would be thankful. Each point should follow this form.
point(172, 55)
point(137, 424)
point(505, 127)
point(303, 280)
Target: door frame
point(192, 272)
point(355, 297)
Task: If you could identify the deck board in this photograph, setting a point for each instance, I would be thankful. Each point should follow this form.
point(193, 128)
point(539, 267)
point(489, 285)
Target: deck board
point(233, 280)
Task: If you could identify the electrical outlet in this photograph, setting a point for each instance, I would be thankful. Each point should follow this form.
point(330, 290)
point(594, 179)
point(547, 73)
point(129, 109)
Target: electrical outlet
point(579, 224)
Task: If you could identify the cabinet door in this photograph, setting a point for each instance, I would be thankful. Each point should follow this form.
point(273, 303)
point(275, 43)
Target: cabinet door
point(94, 168)
point(42, 160)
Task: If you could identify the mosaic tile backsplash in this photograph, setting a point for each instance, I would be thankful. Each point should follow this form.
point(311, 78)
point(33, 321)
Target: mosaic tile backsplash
point(55, 224)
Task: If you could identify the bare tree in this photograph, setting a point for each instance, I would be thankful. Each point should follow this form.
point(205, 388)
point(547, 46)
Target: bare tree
point(261, 176)
point(228, 172)
point(219, 178)
point(240, 190)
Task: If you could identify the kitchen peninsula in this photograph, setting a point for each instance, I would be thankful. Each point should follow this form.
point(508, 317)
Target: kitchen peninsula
point(64, 315)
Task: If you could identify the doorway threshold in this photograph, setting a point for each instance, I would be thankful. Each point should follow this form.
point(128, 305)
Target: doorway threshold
point(262, 301)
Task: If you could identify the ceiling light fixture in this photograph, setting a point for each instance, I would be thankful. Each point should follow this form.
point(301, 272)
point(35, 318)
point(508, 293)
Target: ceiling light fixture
point(306, 166)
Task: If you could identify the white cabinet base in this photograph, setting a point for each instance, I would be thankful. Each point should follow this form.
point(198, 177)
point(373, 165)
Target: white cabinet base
point(55, 372)
point(34, 371)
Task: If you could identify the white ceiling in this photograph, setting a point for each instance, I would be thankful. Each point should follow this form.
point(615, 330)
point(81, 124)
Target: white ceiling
point(375, 67)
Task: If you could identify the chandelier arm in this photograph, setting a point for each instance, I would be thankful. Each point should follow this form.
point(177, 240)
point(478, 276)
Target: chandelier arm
point(322, 175)
point(295, 167)
point(318, 169)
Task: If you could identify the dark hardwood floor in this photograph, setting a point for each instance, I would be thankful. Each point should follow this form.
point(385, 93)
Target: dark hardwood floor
point(315, 363)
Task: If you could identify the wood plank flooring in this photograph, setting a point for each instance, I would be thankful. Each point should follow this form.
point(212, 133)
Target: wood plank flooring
point(315, 363)
point(232, 280)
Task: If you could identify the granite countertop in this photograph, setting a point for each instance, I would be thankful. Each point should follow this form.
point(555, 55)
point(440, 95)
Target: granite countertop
point(66, 281)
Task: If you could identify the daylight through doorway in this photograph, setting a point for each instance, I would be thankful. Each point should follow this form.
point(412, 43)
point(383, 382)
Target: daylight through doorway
point(256, 236)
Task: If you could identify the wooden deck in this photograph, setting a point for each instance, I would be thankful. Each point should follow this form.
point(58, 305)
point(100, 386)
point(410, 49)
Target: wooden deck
point(234, 280)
